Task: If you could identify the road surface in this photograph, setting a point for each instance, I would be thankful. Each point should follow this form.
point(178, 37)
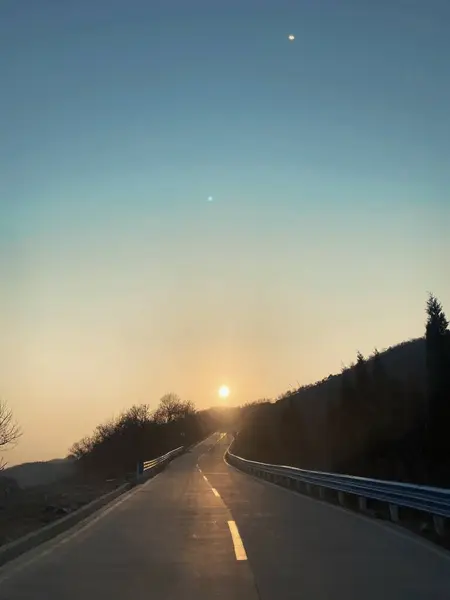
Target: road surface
point(202, 530)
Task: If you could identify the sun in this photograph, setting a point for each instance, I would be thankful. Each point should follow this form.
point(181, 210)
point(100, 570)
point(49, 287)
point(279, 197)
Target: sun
point(224, 391)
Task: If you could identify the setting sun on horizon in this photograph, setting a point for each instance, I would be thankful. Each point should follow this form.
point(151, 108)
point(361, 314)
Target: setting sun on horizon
point(224, 392)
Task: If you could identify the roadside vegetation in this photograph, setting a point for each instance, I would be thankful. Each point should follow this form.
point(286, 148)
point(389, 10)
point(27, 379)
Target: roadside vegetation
point(96, 465)
point(115, 447)
point(384, 416)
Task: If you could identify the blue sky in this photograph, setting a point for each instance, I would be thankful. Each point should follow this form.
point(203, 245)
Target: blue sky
point(327, 160)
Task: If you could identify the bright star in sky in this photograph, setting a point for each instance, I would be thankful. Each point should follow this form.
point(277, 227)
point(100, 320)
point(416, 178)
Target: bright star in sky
point(291, 37)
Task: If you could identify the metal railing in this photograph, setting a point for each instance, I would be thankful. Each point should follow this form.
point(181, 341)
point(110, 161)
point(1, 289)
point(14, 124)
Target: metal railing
point(425, 499)
point(148, 467)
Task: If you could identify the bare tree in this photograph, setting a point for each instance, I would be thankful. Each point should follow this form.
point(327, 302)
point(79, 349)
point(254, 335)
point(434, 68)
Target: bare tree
point(81, 448)
point(9, 430)
point(172, 408)
point(136, 416)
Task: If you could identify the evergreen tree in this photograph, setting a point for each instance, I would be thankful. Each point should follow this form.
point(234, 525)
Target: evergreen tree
point(293, 434)
point(438, 379)
point(363, 405)
point(362, 377)
point(349, 427)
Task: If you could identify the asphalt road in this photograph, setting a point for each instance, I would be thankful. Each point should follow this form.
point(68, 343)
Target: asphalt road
point(202, 530)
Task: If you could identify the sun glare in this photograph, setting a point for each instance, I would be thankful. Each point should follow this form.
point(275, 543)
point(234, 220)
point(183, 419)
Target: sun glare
point(224, 391)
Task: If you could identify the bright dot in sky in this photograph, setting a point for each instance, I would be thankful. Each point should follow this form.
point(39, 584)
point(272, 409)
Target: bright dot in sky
point(224, 391)
point(210, 198)
point(291, 37)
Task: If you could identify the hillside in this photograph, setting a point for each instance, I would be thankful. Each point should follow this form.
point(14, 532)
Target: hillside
point(41, 472)
point(404, 361)
point(368, 420)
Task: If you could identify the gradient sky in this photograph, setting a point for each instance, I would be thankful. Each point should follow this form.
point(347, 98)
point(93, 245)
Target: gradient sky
point(327, 160)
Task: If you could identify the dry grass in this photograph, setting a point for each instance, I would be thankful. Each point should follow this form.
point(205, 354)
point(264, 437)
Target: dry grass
point(25, 510)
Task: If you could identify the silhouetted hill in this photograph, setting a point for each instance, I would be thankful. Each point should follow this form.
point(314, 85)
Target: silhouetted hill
point(367, 420)
point(404, 361)
point(42, 472)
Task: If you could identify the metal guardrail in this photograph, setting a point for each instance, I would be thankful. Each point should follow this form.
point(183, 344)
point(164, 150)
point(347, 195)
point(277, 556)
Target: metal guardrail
point(147, 467)
point(425, 499)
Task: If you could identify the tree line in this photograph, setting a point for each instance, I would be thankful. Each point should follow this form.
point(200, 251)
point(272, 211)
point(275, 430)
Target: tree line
point(376, 423)
point(115, 447)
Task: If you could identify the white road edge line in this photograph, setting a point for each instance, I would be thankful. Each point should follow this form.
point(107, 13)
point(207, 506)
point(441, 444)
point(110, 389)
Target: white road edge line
point(215, 492)
point(205, 478)
point(238, 544)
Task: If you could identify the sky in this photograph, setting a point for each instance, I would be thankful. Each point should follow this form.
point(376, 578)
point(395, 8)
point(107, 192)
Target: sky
point(188, 199)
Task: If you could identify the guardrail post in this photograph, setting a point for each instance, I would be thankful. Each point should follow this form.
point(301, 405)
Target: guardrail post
point(393, 512)
point(139, 469)
point(439, 525)
point(362, 503)
point(308, 488)
point(341, 498)
point(321, 493)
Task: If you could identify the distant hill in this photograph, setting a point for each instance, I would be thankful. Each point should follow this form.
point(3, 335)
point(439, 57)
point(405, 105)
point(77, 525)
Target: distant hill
point(41, 472)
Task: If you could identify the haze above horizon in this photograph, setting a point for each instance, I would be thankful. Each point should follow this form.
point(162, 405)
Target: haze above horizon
point(189, 199)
